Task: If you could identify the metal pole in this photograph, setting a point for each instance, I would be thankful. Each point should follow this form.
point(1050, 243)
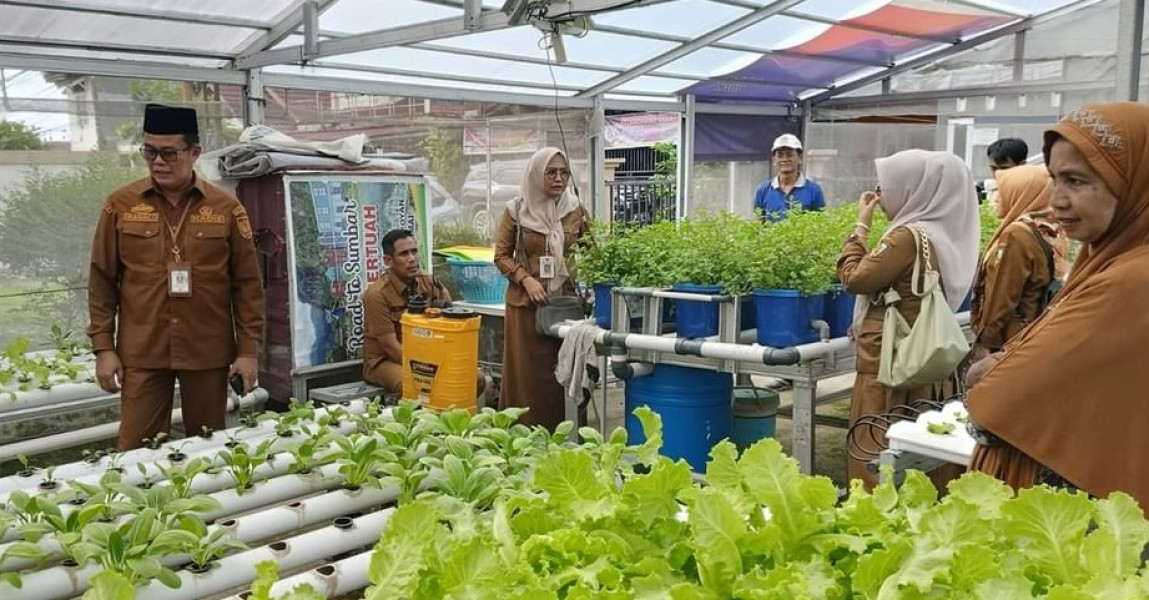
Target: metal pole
point(685, 159)
point(598, 207)
point(1130, 28)
point(255, 103)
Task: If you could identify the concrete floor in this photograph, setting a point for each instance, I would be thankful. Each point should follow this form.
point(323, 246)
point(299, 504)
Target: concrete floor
point(829, 444)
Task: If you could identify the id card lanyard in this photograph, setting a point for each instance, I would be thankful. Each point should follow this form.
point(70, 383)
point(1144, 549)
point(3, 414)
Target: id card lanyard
point(179, 272)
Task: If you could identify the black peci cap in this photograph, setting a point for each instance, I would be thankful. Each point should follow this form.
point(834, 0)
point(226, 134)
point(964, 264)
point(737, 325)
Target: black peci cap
point(170, 120)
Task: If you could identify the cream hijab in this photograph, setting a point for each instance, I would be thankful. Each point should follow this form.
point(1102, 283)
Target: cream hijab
point(538, 212)
point(935, 191)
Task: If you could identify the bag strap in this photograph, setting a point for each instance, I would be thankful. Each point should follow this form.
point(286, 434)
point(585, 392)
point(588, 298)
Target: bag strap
point(917, 282)
point(519, 237)
point(1046, 248)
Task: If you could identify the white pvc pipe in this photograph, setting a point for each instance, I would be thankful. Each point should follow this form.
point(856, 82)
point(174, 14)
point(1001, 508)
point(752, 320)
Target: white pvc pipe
point(192, 447)
point(61, 392)
point(237, 570)
point(266, 524)
point(332, 579)
point(69, 439)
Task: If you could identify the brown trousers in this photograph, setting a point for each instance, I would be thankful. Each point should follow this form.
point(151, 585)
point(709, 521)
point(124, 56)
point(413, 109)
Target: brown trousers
point(146, 402)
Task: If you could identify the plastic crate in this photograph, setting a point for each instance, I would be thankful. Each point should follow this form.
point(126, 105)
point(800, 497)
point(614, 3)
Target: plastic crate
point(480, 281)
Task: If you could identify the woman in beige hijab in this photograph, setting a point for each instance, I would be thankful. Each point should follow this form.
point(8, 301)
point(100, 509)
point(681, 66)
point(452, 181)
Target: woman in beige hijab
point(1066, 401)
point(935, 192)
point(533, 249)
point(1015, 271)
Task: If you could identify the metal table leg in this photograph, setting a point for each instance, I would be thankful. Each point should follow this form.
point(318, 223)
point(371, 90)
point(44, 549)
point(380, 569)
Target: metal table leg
point(805, 392)
point(604, 379)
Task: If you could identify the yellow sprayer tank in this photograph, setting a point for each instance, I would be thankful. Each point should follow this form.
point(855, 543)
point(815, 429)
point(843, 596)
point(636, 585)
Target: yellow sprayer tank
point(441, 358)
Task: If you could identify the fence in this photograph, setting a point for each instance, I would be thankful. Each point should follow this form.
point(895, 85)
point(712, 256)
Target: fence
point(642, 202)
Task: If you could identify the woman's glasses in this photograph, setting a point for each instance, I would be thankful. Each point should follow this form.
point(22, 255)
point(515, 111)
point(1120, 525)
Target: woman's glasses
point(555, 174)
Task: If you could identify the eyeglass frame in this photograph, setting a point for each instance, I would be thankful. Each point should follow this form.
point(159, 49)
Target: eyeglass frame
point(167, 154)
point(561, 174)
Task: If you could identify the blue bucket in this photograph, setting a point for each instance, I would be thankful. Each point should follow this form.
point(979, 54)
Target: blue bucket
point(838, 310)
point(755, 415)
point(696, 319)
point(694, 405)
point(965, 304)
point(748, 315)
point(784, 317)
point(603, 302)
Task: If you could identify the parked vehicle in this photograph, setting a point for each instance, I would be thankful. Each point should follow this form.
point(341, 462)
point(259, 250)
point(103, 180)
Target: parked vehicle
point(504, 177)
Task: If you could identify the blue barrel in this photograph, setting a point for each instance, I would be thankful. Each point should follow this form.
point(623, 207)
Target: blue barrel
point(696, 319)
point(755, 415)
point(603, 302)
point(838, 310)
point(694, 405)
point(748, 315)
point(784, 317)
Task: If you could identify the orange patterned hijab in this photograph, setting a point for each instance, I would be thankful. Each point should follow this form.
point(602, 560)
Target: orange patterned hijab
point(1072, 390)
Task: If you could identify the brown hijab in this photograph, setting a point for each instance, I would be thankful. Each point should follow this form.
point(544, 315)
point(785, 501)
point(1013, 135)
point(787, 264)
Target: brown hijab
point(1070, 390)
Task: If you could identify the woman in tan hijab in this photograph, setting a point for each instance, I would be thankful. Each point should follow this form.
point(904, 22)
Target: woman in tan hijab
point(533, 249)
point(1066, 401)
point(1015, 272)
point(935, 192)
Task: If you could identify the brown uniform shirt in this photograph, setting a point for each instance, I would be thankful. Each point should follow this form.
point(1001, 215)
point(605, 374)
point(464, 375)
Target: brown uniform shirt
point(128, 303)
point(509, 258)
point(384, 303)
point(890, 263)
point(1016, 276)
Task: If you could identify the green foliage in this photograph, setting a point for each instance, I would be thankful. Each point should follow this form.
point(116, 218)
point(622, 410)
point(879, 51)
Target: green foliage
point(990, 221)
point(445, 149)
point(141, 92)
point(15, 135)
point(46, 227)
point(589, 526)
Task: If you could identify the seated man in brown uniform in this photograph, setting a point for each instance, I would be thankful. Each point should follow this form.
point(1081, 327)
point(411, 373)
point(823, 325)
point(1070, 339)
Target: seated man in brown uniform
point(385, 301)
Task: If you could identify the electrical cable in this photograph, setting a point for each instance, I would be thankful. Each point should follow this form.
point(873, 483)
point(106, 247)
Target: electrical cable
point(558, 120)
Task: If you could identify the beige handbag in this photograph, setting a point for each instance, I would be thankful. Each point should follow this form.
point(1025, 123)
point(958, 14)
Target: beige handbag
point(932, 348)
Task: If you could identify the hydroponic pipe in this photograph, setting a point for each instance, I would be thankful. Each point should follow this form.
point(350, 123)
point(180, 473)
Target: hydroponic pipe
point(61, 392)
point(191, 447)
point(232, 571)
point(68, 407)
point(671, 295)
point(266, 524)
point(239, 569)
point(332, 579)
point(69, 439)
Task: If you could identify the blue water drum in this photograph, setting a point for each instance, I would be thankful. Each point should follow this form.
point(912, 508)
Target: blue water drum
point(603, 302)
point(838, 310)
point(696, 319)
point(784, 317)
point(695, 406)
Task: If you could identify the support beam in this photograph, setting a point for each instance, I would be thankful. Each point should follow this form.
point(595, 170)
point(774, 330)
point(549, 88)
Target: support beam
point(534, 60)
point(700, 42)
point(310, 29)
point(175, 16)
point(1130, 29)
point(686, 159)
point(472, 15)
point(492, 20)
point(895, 98)
point(118, 68)
point(599, 205)
point(1019, 57)
point(803, 16)
point(255, 103)
point(285, 24)
point(416, 73)
point(40, 42)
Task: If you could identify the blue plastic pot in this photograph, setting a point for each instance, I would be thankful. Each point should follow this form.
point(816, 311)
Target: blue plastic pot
point(838, 310)
point(696, 319)
point(784, 317)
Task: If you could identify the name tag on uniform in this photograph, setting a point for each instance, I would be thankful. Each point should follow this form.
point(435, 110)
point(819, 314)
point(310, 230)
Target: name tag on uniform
point(179, 279)
point(547, 267)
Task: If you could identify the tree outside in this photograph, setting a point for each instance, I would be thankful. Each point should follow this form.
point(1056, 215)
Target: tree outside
point(46, 230)
point(15, 135)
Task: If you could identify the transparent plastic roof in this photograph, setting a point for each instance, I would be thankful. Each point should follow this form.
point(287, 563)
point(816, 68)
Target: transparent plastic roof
point(736, 51)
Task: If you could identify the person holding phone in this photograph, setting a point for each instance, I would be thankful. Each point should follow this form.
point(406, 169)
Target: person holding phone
point(174, 290)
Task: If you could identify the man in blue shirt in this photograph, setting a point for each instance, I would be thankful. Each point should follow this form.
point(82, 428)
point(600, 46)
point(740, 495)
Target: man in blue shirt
point(789, 187)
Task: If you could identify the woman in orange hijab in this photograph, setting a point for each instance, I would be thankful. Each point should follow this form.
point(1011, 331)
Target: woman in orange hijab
point(1019, 261)
point(1066, 401)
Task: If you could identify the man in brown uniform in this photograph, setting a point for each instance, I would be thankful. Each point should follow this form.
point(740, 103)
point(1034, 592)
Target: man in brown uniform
point(385, 301)
point(174, 288)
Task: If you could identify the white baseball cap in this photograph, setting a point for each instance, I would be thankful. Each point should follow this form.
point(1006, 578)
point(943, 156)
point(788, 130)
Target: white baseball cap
point(787, 140)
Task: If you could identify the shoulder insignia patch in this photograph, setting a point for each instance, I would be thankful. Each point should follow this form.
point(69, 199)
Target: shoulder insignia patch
point(243, 225)
point(882, 247)
point(108, 208)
